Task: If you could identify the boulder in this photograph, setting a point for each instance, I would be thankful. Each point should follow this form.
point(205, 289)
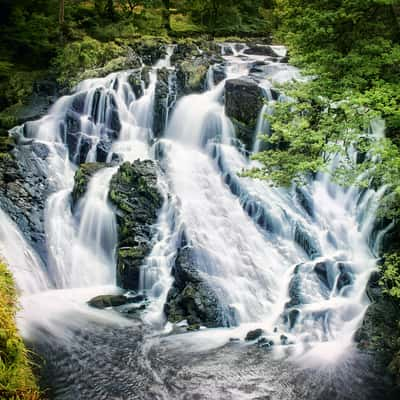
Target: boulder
point(243, 102)
point(254, 335)
point(136, 83)
point(192, 76)
point(191, 298)
point(105, 301)
point(137, 200)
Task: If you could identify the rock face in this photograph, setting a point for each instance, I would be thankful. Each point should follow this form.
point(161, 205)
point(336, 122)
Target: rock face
point(165, 97)
point(191, 298)
point(243, 102)
point(82, 178)
point(135, 195)
point(24, 188)
point(261, 50)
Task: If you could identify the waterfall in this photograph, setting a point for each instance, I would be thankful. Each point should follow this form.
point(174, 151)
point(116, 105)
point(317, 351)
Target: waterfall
point(294, 262)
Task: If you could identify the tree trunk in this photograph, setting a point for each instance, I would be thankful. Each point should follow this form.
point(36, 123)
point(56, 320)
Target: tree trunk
point(167, 15)
point(61, 12)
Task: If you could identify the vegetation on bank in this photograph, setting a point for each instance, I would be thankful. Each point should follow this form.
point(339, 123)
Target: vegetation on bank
point(54, 39)
point(17, 381)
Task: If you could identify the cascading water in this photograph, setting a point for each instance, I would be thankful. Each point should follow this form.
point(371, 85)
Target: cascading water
point(293, 262)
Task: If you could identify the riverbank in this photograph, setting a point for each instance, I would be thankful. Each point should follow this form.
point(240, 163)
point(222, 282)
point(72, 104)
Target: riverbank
point(17, 381)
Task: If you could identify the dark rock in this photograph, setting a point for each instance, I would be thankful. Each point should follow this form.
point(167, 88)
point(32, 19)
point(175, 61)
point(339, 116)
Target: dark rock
point(345, 276)
point(83, 175)
point(243, 102)
point(254, 335)
point(103, 150)
point(284, 340)
point(78, 146)
point(164, 99)
point(265, 343)
point(321, 269)
point(134, 193)
point(293, 317)
point(191, 298)
point(306, 242)
point(305, 200)
point(191, 76)
point(105, 301)
point(135, 80)
point(219, 73)
point(24, 189)
point(261, 50)
point(150, 51)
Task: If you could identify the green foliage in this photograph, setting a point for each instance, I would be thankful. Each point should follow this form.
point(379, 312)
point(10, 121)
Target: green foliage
point(351, 49)
point(390, 280)
point(16, 378)
point(78, 56)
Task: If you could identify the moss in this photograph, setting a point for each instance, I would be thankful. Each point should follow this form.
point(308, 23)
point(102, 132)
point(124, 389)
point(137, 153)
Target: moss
point(16, 378)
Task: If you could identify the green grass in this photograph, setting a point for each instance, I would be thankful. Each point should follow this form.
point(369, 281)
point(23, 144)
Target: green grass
point(17, 381)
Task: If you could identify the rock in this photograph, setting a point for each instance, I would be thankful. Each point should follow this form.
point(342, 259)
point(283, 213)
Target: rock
point(243, 102)
point(164, 99)
point(83, 175)
point(24, 189)
point(219, 73)
point(306, 242)
point(345, 276)
point(321, 269)
point(137, 84)
point(305, 200)
point(254, 335)
point(150, 51)
point(105, 301)
point(191, 298)
point(261, 50)
point(284, 340)
point(135, 195)
point(292, 318)
point(264, 342)
point(192, 76)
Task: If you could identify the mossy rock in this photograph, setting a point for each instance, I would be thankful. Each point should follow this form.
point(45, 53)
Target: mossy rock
point(82, 178)
point(137, 200)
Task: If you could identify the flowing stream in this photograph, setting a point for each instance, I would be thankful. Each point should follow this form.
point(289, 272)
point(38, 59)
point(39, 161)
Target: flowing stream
point(294, 262)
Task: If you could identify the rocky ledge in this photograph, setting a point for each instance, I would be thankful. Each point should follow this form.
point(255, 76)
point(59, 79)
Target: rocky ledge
point(137, 200)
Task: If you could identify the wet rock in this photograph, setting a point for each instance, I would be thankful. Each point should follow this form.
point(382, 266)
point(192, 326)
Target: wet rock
point(219, 73)
point(83, 175)
point(24, 188)
point(321, 269)
point(105, 301)
point(136, 83)
point(306, 242)
point(164, 99)
point(135, 195)
point(345, 276)
point(191, 298)
point(261, 50)
point(292, 318)
point(150, 51)
point(284, 340)
point(191, 76)
point(243, 102)
point(254, 335)
point(265, 342)
point(305, 200)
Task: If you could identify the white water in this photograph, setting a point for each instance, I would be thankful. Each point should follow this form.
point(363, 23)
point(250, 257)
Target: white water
point(242, 231)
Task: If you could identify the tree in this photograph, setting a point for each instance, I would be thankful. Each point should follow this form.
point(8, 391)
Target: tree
point(166, 15)
point(61, 12)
